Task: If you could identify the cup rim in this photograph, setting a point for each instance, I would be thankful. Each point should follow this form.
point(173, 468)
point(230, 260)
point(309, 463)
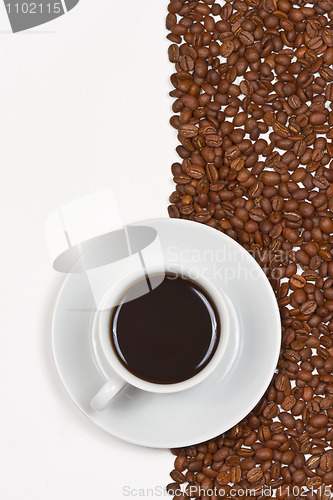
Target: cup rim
point(103, 323)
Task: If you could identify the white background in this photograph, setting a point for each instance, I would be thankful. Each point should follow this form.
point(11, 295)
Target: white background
point(84, 106)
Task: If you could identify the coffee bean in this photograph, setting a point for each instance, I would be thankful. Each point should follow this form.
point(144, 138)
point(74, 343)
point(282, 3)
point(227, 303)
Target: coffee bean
point(255, 189)
point(326, 461)
point(270, 178)
point(298, 281)
point(174, 53)
point(246, 87)
point(181, 463)
point(308, 307)
point(173, 212)
point(173, 488)
point(287, 420)
point(291, 235)
point(254, 475)
point(263, 454)
point(226, 48)
point(294, 102)
point(194, 465)
point(223, 478)
point(326, 73)
point(329, 92)
point(202, 217)
point(288, 403)
point(313, 462)
point(190, 101)
point(177, 476)
point(213, 141)
point(319, 420)
point(326, 225)
point(314, 483)
point(281, 130)
point(317, 118)
point(232, 153)
point(282, 382)
point(246, 38)
point(195, 171)
point(257, 214)
point(271, 410)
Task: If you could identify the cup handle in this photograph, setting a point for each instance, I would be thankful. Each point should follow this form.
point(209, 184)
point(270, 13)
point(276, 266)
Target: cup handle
point(107, 393)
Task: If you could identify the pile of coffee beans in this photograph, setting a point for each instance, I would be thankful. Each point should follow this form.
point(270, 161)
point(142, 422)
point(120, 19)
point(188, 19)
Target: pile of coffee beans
point(253, 94)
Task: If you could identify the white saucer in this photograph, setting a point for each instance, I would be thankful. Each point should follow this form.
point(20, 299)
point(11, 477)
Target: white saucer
point(226, 396)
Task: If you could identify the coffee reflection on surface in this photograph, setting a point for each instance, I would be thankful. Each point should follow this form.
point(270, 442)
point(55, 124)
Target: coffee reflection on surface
point(167, 335)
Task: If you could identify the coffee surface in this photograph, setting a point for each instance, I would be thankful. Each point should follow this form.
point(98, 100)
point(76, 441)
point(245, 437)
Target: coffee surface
point(167, 335)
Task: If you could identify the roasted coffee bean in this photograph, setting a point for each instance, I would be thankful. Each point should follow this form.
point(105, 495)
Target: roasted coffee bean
point(329, 92)
point(173, 212)
point(308, 307)
point(298, 281)
point(188, 130)
point(223, 478)
point(174, 53)
point(254, 475)
point(194, 465)
point(326, 461)
point(287, 420)
point(177, 476)
point(271, 410)
point(226, 48)
point(246, 38)
point(282, 382)
point(263, 454)
point(181, 463)
point(173, 488)
point(319, 420)
point(195, 171)
point(288, 403)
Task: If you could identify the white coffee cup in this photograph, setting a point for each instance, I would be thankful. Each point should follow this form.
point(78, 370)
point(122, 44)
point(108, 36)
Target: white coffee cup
point(121, 376)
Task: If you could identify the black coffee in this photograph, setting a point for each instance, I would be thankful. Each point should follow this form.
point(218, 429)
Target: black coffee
point(167, 335)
